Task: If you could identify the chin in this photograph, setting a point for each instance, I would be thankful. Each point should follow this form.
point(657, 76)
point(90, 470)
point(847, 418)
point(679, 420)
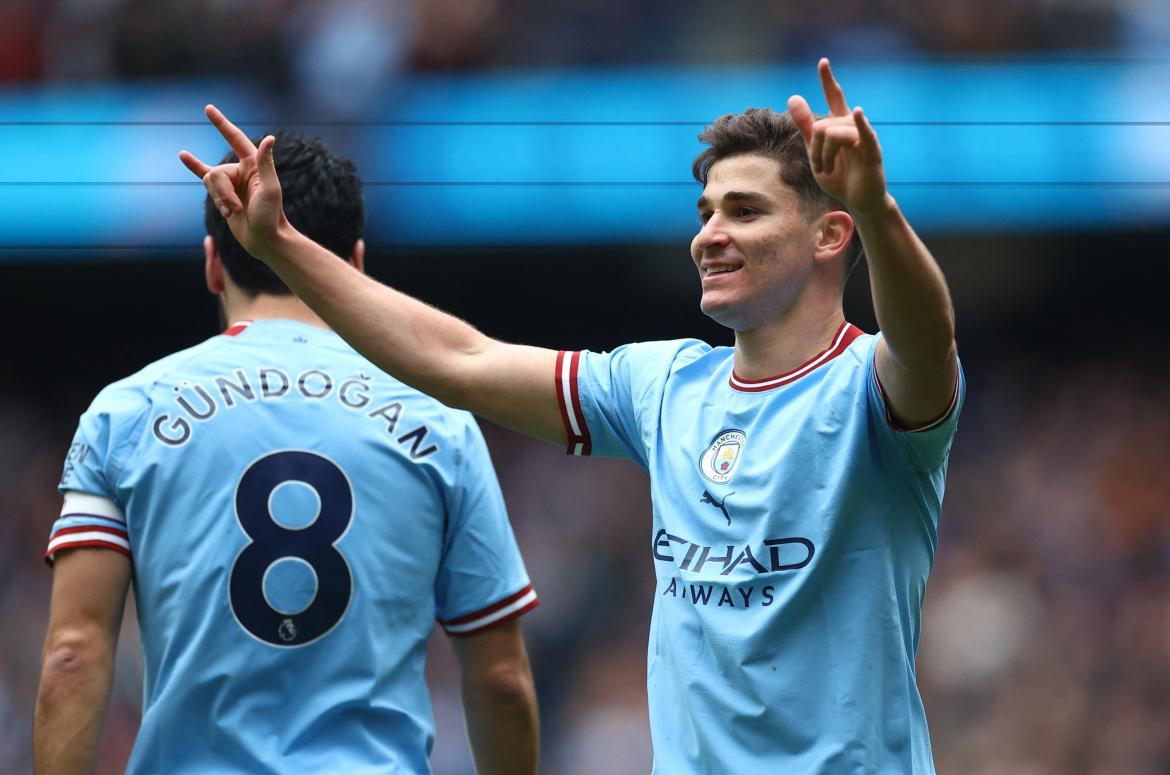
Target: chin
point(721, 313)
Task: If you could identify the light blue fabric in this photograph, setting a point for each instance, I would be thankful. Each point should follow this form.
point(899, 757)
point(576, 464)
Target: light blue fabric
point(393, 518)
point(793, 532)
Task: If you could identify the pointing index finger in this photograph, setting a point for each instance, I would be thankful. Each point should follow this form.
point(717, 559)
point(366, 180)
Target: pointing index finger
point(239, 142)
point(192, 162)
point(802, 115)
point(833, 93)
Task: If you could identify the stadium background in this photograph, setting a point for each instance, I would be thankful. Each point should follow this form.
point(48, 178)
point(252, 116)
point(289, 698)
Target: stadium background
point(1046, 643)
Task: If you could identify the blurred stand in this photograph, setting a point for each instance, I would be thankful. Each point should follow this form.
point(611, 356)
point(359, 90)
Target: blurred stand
point(326, 47)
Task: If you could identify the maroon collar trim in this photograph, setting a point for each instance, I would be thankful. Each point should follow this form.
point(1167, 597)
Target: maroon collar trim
point(841, 341)
point(236, 328)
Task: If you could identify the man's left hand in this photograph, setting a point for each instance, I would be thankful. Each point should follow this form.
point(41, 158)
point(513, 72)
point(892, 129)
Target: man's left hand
point(842, 147)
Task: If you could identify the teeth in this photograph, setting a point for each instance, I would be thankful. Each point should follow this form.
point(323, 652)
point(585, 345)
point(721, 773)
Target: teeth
point(718, 270)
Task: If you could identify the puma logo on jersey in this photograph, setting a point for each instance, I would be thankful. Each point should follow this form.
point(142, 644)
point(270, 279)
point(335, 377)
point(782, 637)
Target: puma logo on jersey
point(709, 498)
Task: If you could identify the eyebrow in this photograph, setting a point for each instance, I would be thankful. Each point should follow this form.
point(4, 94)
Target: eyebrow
point(735, 196)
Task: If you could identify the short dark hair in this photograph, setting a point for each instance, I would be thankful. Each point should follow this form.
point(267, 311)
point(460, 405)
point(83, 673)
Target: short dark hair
point(775, 135)
point(322, 200)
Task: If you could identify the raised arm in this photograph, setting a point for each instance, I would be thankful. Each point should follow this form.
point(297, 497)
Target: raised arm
point(916, 358)
point(499, 701)
point(85, 613)
point(434, 352)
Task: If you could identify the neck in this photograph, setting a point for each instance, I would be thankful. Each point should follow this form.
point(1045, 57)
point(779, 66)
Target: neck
point(265, 306)
point(786, 342)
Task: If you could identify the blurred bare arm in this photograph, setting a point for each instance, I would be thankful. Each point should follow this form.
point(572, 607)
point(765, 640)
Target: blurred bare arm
point(89, 594)
point(432, 351)
point(499, 701)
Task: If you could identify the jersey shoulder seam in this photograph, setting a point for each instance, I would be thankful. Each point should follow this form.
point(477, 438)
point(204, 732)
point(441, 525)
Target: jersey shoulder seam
point(681, 347)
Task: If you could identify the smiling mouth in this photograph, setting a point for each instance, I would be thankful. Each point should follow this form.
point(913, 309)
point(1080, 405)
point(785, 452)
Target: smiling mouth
point(713, 271)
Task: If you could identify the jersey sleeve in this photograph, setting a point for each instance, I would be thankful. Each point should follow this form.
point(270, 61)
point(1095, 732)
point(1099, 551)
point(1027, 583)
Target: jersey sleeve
point(606, 399)
point(92, 512)
point(926, 446)
point(482, 581)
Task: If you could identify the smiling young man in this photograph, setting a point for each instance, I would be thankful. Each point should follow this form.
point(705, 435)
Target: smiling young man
point(796, 478)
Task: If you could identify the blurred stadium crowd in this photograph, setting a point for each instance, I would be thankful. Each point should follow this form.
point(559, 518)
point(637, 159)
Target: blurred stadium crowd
point(1046, 638)
point(301, 48)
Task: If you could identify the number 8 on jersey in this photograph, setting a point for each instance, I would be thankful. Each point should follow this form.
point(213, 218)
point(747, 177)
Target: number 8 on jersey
point(271, 541)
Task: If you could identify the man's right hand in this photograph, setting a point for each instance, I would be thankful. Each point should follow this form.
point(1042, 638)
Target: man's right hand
point(246, 193)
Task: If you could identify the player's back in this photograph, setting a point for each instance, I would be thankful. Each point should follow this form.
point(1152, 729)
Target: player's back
point(290, 512)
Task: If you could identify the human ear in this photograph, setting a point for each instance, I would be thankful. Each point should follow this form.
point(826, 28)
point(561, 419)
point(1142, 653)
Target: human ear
point(834, 231)
point(213, 272)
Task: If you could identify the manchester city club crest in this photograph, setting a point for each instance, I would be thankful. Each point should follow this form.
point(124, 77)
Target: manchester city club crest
point(719, 459)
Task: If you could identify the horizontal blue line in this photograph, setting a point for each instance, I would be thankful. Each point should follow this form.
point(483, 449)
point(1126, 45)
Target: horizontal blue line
point(601, 183)
point(392, 122)
point(98, 247)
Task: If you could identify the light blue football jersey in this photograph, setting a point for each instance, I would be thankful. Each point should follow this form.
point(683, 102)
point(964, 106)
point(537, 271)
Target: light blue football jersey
point(297, 521)
point(793, 531)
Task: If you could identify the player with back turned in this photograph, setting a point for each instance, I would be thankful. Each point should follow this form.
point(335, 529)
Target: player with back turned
point(294, 521)
point(796, 478)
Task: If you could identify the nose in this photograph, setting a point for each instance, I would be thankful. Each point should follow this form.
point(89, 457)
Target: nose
point(713, 234)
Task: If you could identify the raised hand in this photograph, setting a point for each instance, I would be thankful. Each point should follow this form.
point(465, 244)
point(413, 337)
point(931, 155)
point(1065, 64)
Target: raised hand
point(247, 193)
point(842, 147)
